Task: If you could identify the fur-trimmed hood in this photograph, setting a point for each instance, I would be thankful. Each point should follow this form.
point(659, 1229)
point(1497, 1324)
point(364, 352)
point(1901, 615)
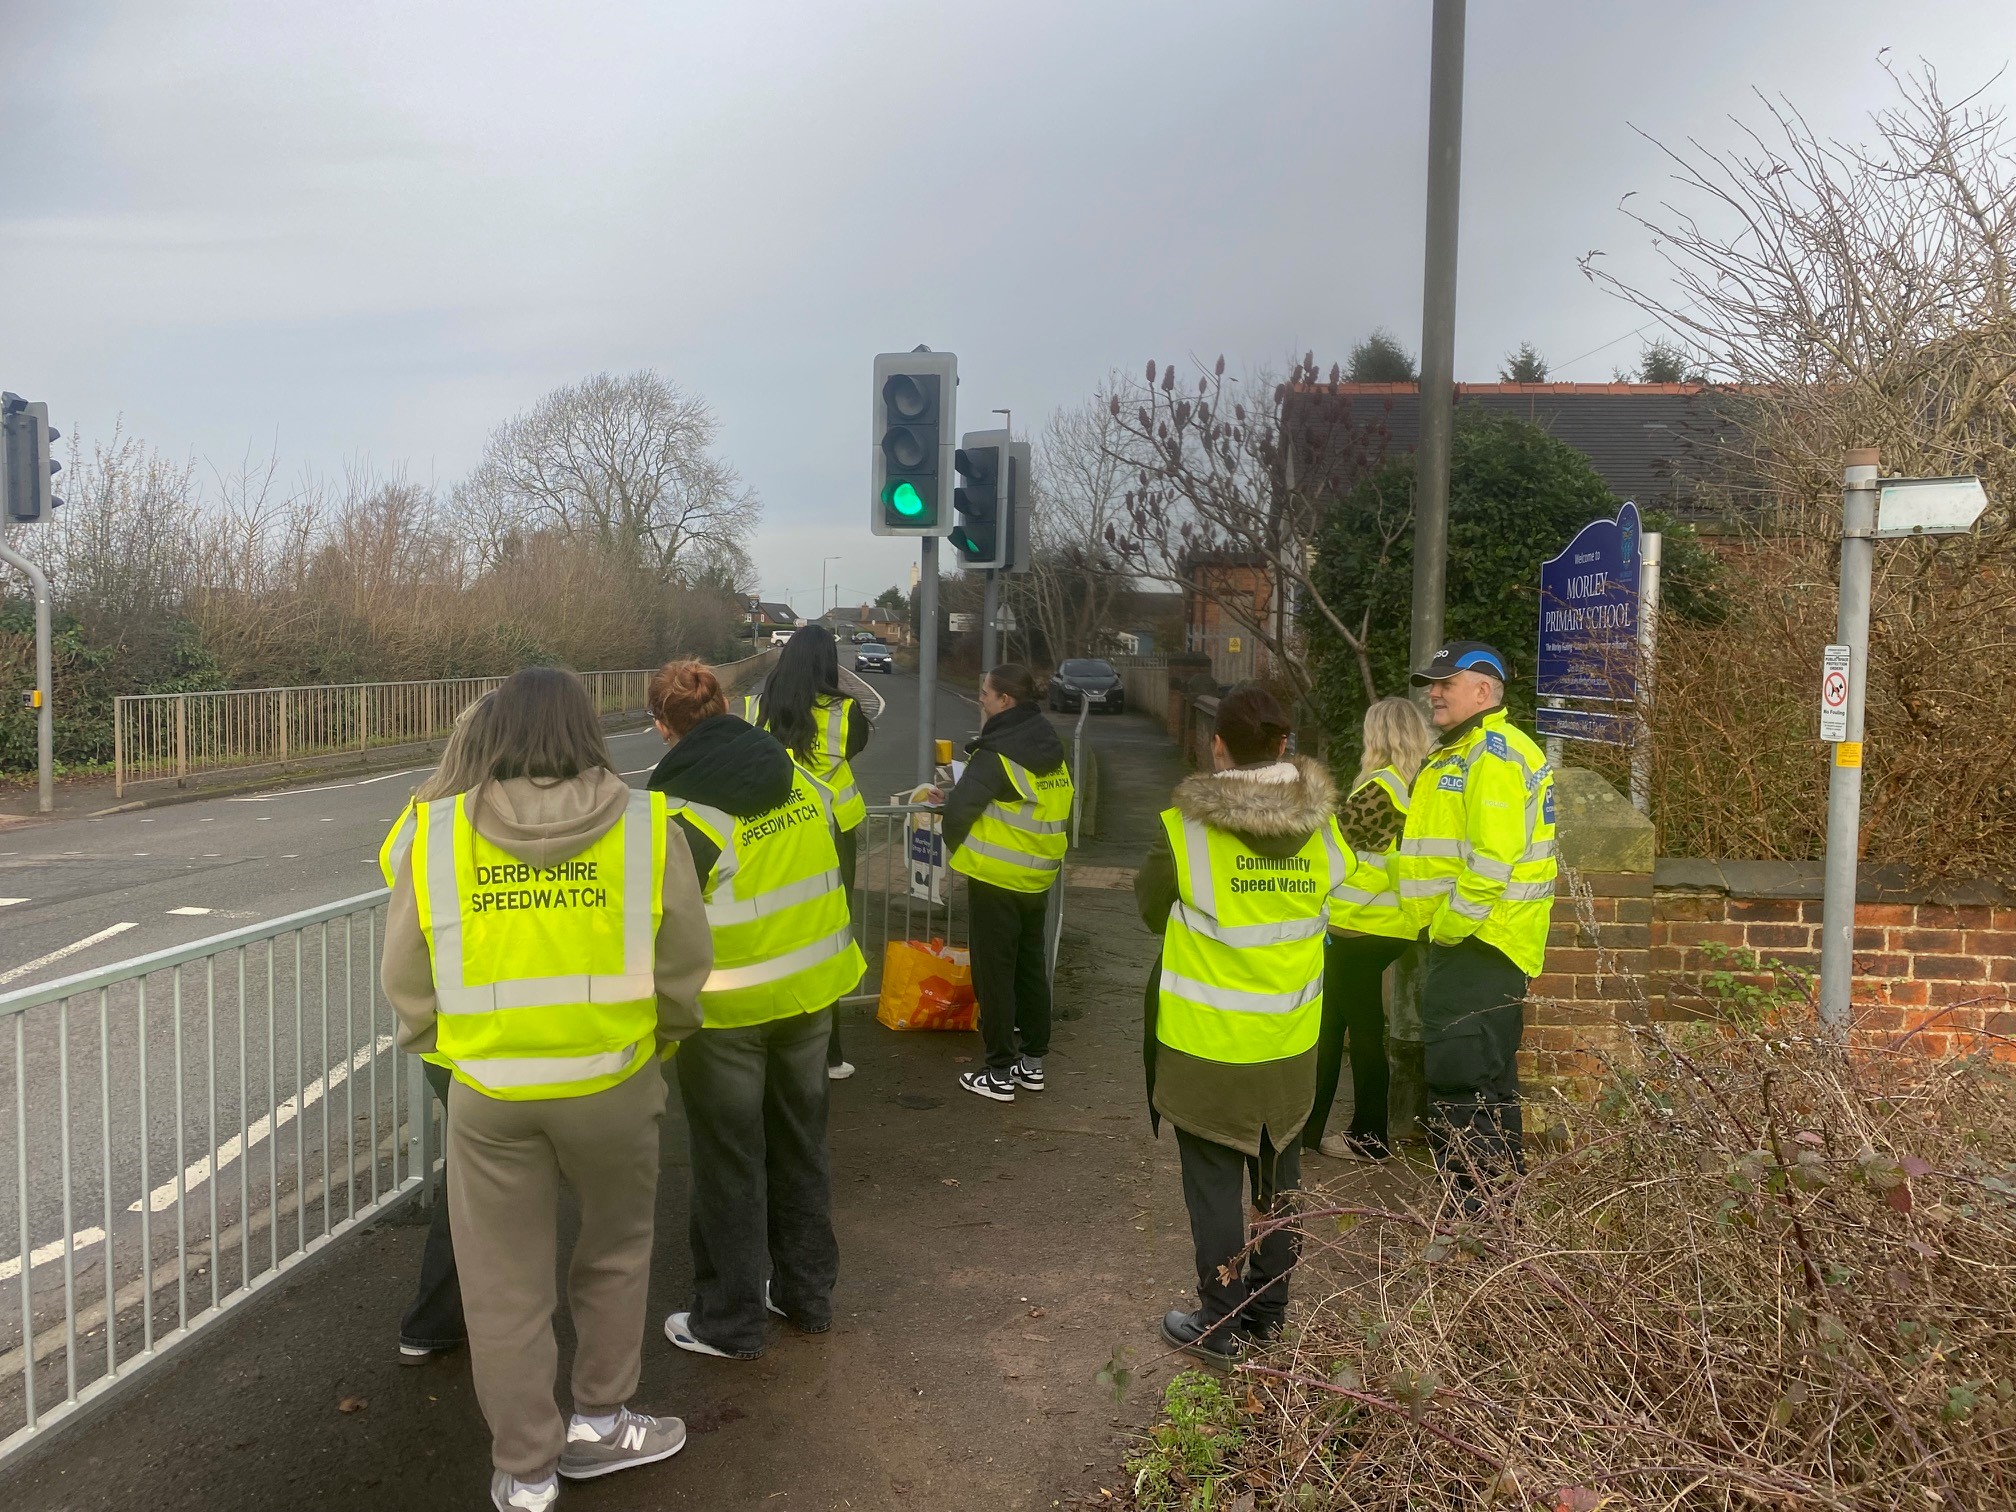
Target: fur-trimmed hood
point(1274, 808)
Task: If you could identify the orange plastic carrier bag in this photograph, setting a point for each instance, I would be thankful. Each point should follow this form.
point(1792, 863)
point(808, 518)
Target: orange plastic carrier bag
point(927, 986)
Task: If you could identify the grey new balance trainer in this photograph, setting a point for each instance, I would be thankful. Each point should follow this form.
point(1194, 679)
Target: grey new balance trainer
point(633, 1439)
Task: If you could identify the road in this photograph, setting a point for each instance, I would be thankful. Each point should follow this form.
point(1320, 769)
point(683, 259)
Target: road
point(85, 893)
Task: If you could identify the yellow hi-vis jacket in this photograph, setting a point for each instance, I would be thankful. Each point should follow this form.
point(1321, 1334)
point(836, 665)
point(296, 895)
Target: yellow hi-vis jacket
point(1369, 899)
point(1242, 953)
point(398, 845)
point(829, 762)
point(543, 982)
point(1018, 843)
point(778, 910)
point(1477, 856)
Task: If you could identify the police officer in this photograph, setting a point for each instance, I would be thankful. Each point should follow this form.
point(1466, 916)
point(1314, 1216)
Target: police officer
point(1004, 823)
point(1477, 872)
point(1238, 884)
point(824, 729)
point(545, 936)
point(754, 1079)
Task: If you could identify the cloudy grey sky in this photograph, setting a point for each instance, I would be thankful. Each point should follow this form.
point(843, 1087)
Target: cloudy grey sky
point(375, 230)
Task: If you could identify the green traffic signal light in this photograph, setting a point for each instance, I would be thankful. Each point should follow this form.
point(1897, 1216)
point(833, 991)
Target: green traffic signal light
point(906, 501)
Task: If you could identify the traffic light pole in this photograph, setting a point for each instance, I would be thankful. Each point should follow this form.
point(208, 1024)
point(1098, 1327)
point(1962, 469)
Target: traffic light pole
point(990, 612)
point(927, 660)
point(45, 730)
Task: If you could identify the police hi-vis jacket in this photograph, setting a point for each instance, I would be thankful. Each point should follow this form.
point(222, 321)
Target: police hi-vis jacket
point(1477, 856)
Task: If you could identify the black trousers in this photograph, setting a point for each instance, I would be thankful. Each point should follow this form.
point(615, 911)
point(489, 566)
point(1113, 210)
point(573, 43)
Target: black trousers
point(849, 843)
point(434, 1320)
point(1008, 973)
point(1473, 1014)
point(762, 1184)
point(1215, 1181)
point(1354, 1004)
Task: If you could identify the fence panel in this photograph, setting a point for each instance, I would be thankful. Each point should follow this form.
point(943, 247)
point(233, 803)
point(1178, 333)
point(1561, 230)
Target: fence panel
point(180, 1131)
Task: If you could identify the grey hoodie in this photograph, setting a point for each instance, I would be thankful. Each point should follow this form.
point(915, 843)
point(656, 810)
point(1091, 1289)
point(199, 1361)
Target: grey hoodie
point(1272, 808)
point(542, 823)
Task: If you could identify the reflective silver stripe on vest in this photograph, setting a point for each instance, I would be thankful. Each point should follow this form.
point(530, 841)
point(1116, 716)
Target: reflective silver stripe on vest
point(1197, 847)
point(1246, 936)
point(402, 837)
point(1338, 870)
point(1343, 893)
point(1012, 857)
point(757, 973)
point(1426, 887)
point(1528, 892)
point(748, 910)
point(444, 898)
point(1371, 858)
point(500, 1074)
point(1487, 866)
point(1231, 1000)
point(1448, 850)
point(1388, 779)
point(545, 992)
point(1015, 819)
point(1458, 904)
point(726, 862)
point(836, 732)
point(639, 846)
point(1539, 850)
point(844, 796)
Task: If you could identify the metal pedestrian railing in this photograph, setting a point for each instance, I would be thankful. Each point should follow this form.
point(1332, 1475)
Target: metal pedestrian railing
point(181, 1131)
point(172, 737)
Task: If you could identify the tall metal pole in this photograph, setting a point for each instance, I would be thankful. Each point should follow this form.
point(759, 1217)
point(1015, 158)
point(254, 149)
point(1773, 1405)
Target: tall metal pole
point(1438, 330)
point(927, 659)
point(990, 611)
point(1651, 556)
point(1844, 780)
point(45, 728)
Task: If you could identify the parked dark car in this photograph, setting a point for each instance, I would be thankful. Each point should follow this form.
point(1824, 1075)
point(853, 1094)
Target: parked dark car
point(1087, 680)
point(872, 656)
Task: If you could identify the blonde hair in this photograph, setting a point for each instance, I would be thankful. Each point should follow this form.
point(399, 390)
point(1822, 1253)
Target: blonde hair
point(1397, 736)
point(457, 772)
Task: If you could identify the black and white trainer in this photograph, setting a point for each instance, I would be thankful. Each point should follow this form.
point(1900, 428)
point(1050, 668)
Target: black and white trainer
point(1026, 1074)
point(984, 1083)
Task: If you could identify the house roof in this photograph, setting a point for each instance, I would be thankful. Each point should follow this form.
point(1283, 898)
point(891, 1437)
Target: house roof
point(1653, 442)
point(776, 614)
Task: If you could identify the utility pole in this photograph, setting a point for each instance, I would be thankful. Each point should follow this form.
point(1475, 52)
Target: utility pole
point(1438, 330)
point(1844, 778)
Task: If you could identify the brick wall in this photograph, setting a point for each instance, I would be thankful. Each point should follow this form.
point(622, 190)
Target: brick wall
point(1938, 976)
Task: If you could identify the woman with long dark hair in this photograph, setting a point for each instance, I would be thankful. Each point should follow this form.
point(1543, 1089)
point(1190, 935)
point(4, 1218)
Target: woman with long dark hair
point(822, 726)
point(546, 938)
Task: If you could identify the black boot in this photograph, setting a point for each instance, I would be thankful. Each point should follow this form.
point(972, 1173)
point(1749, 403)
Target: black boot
point(1217, 1346)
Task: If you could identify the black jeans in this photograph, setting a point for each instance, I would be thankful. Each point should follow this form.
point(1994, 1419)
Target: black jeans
point(1215, 1179)
point(849, 844)
point(762, 1186)
point(1354, 968)
point(434, 1321)
point(1473, 1014)
point(1009, 978)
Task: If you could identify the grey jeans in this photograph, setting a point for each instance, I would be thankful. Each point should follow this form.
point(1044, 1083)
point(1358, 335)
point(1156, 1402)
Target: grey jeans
point(762, 1184)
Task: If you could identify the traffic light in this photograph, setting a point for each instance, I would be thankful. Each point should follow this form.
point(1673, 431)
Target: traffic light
point(26, 468)
point(1016, 506)
point(980, 536)
point(913, 420)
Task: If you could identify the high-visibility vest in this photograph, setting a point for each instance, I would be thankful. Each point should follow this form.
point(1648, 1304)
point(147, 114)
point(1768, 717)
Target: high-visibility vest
point(828, 761)
point(1477, 856)
point(1242, 953)
point(1018, 843)
point(777, 906)
point(1369, 899)
point(397, 846)
point(543, 980)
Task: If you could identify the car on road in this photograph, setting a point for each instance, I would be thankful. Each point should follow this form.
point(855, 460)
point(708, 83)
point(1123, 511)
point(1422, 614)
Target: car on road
point(1087, 681)
point(781, 637)
point(872, 656)
point(863, 637)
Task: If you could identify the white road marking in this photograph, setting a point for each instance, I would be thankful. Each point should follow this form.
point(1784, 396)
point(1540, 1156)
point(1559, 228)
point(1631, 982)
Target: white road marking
point(206, 821)
point(163, 1196)
point(880, 702)
point(639, 771)
point(334, 787)
point(53, 1250)
point(56, 955)
point(191, 912)
point(10, 902)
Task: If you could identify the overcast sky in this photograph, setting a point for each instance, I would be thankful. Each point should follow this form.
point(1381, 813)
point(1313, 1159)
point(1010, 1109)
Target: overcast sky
point(375, 230)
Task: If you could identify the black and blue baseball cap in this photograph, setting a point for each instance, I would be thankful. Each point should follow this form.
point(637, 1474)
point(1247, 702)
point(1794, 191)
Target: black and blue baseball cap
point(1462, 656)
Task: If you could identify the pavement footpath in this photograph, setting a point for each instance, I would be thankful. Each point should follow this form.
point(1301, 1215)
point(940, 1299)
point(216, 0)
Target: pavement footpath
point(993, 1258)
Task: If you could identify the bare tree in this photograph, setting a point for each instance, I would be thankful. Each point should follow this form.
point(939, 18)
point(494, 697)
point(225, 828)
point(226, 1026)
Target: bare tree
point(627, 463)
point(1222, 489)
point(1075, 576)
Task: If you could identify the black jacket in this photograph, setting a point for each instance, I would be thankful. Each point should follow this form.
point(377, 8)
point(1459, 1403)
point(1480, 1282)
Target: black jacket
point(1021, 734)
point(728, 764)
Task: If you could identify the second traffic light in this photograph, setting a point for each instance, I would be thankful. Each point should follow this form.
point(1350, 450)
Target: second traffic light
point(913, 417)
point(981, 502)
point(27, 471)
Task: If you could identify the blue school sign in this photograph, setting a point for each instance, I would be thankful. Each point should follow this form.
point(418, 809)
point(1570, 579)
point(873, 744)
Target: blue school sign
point(1589, 613)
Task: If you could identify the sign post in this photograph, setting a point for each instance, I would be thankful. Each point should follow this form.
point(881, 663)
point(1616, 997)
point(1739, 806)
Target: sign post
point(1871, 510)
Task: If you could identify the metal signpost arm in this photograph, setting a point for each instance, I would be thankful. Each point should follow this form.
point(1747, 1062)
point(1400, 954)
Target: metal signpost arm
point(45, 790)
point(1844, 782)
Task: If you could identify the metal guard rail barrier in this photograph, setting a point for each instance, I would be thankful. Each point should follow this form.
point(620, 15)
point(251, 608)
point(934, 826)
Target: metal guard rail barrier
point(146, 1040)
point(171, 737)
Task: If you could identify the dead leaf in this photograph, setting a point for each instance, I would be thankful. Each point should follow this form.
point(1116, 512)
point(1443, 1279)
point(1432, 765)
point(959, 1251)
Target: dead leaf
point(950, 1181)
point(1037, 1312)
point(1899, 1197)
point(1243, 1502)
point(1916, 1165)
point(352, 1404)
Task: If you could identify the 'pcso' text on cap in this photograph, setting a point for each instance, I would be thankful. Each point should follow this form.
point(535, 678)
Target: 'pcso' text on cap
point(1462, 656)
